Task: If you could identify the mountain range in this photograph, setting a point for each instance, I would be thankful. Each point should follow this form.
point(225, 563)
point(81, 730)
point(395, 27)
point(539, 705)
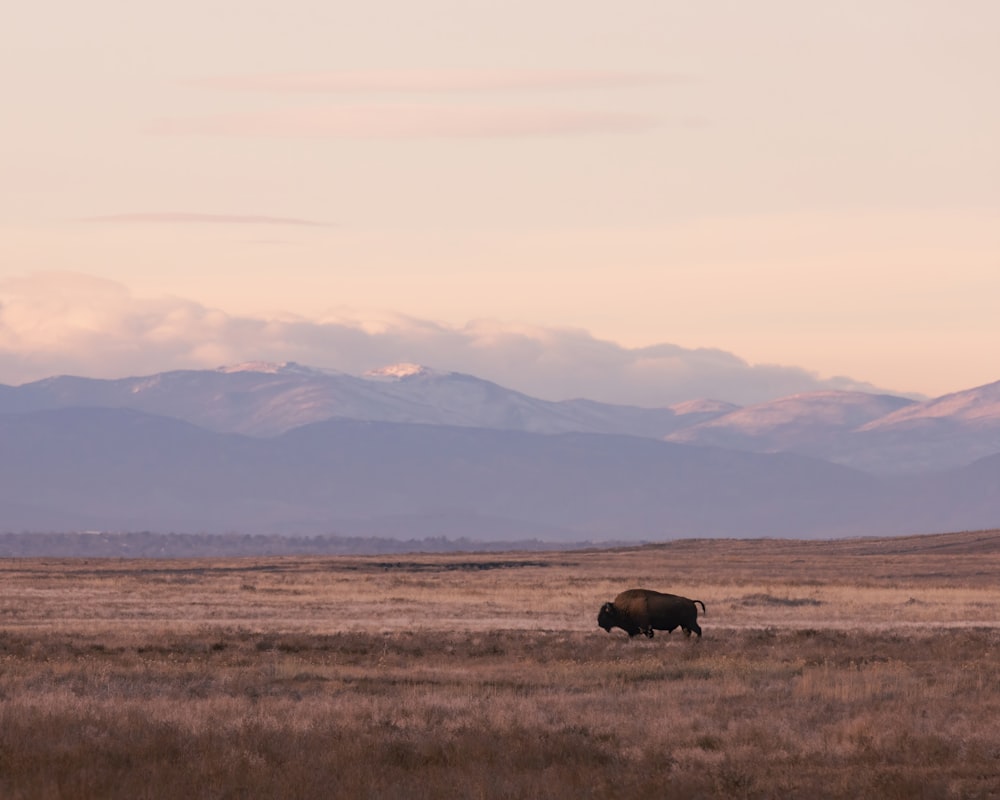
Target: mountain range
point(407, 451)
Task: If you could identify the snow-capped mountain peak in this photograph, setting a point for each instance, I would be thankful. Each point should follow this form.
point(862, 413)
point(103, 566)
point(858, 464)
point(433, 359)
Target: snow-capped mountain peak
point(704, 406)
point(266, 367)
point(272, 368)
point(398, 371)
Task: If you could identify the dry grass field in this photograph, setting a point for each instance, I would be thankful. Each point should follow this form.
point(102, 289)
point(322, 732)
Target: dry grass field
point(860, 668)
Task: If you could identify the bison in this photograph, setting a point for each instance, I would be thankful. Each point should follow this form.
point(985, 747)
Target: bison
point(643, 611)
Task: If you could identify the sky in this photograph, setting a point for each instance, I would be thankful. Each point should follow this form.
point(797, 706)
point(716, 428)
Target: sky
point(643, 202)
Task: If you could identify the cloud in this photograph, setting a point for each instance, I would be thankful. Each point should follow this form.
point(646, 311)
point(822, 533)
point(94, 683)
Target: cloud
point(67, 323)
point(410, 120)
point(429, 80)
point(406, 121)
point(185, 217)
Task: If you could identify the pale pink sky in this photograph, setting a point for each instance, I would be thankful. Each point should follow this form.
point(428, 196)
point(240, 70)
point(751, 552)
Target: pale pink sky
point(782, 183)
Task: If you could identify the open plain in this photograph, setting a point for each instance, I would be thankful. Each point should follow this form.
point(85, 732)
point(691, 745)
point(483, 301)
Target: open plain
point(849, 668)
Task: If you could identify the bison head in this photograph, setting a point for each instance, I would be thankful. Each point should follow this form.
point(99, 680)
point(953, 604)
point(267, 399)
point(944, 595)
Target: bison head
point(607, 617)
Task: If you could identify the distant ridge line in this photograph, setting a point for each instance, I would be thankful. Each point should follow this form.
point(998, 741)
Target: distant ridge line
point(149, 545)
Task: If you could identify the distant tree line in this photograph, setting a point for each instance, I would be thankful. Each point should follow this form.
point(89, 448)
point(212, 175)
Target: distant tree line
point(147, 544)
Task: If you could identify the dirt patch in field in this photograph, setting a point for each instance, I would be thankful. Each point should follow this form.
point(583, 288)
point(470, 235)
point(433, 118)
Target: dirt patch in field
point(771, 600)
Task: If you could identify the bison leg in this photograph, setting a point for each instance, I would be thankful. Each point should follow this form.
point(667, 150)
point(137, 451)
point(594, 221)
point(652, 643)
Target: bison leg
point(696, 628)
point(648, 632)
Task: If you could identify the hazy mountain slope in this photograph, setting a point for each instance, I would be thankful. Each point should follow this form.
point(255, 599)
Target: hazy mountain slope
point(881, 434)
point(593, 483)
point(967, 498)
point(451, 398)
point(949, 431)
point(268, 399)
point(970, 405)
point(805, 423)
point(120, 469)
point(259, 399)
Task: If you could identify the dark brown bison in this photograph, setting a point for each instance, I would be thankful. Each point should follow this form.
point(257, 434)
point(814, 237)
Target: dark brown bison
point(643, 611)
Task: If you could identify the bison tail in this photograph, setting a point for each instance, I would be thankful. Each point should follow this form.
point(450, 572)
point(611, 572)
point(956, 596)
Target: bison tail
point(703, 609)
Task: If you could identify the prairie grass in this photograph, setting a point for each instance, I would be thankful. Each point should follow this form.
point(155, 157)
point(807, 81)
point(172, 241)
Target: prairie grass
point(826, 670)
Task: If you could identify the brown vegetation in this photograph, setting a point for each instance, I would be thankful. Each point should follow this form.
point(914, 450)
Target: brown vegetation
point(837, 669)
